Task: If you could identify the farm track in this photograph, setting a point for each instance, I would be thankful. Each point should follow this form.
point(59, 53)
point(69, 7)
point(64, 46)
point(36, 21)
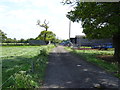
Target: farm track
point(68, 71)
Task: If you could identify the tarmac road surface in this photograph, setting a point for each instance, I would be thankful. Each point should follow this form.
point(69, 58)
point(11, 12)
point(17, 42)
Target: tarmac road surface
point(66, 70)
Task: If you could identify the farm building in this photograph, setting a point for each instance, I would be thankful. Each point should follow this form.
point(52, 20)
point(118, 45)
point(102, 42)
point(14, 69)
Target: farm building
point(37, 42)
point(80, 40)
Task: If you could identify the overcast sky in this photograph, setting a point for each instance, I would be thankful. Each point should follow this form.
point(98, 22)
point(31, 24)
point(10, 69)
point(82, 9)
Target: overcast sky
point(18, 18)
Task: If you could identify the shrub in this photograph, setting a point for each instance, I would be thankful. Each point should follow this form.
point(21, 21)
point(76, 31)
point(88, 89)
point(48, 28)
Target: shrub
point(43, 52)
point(23, 80)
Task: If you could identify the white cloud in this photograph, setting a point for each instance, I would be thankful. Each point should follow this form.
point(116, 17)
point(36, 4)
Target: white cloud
point(21, 22)
point(3, 8)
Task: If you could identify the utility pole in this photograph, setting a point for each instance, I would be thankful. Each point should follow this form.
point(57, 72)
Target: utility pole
point(69, 29)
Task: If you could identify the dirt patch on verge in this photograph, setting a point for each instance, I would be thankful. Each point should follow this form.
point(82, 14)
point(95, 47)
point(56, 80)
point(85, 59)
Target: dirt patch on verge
point(108, 58)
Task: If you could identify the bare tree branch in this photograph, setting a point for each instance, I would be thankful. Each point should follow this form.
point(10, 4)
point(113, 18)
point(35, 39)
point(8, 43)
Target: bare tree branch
point(44, 25)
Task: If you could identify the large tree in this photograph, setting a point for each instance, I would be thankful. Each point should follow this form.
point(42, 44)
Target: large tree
point(99, 20)
point(45, 26)
point(50, 36)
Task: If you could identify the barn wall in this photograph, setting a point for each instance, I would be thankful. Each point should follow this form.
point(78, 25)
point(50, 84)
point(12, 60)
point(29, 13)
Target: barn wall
point(37, 42)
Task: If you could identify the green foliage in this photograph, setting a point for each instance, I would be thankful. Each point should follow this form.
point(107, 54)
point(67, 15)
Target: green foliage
point(43, 52)
point(57, 41)
point(23, 58)
point(9, 40)
point(3, 36)
point(99, 19)
point(50, 36)
point(23, 80)
point(4, 39)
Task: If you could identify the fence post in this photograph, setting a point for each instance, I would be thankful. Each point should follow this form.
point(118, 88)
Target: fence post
point(32, 64)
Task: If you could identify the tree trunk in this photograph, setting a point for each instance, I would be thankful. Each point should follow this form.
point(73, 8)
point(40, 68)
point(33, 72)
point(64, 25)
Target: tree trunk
point(45, 35)
point(49, 42)
point(116, 44)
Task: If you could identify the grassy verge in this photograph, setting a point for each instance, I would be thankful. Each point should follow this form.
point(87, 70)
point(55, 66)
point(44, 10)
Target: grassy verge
point(24, 66)
point(91, 56)
point(14, 44)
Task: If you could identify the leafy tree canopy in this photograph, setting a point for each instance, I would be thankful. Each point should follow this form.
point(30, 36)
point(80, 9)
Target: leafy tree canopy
point(99, 20)
point(50, 36)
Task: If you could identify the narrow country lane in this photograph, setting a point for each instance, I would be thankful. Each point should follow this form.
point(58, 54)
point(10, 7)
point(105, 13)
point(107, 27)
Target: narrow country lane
point(66, 70)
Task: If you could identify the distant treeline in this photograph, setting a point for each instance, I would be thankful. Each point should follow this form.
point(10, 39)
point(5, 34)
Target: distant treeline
point(9, 40)
point(5, 39)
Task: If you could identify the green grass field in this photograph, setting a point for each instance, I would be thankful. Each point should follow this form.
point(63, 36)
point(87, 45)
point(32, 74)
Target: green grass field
point(29, 59)
point(14, 44)
point(91, 56)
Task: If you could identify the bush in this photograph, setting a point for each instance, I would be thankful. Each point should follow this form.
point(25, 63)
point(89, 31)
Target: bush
point(23, 80)
point(43, 52)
